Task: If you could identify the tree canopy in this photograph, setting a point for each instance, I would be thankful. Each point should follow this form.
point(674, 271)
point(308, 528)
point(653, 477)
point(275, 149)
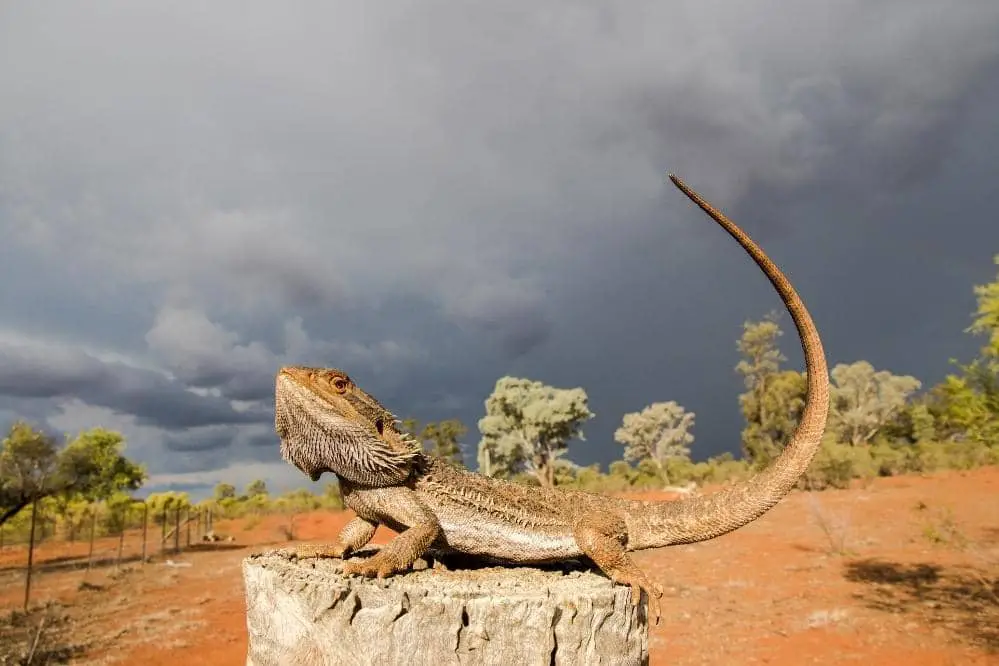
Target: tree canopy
point(527, 426)
point(774, 399)
point(659, 433)
point(91, 467)
point(441, 438)
point(863, 401)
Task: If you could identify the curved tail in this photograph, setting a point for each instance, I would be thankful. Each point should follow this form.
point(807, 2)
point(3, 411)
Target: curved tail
point(656, 524)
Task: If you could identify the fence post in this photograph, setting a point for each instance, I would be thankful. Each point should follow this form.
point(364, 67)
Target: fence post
point(125, 509)
point(176, 531)
point(93, 529)
point(31, 554)
point(187, 524)
point(145, 525)
point(163, 520)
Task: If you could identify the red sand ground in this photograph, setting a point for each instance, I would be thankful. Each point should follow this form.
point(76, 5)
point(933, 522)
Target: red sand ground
point(884, 582)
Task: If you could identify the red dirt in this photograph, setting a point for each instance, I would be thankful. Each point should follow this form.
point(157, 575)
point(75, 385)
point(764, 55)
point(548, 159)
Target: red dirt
point(892, 580)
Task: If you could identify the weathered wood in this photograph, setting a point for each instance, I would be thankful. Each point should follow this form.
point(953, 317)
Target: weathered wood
point(305, 612)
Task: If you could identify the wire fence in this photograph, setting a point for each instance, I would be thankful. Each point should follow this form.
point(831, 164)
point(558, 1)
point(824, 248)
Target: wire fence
point(111, 536)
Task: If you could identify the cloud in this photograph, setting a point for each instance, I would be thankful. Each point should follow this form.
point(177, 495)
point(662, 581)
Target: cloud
point(204, 354)
point(280, 477)
point(36, 369)
point(174, 451)
point(240, 439)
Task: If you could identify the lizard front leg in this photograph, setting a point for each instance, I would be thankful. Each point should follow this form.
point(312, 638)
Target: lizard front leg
point(402, 507)
point(355, 534)
point(601, 537)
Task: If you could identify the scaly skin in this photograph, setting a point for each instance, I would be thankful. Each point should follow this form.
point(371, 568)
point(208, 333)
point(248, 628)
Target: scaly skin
point(328, 424)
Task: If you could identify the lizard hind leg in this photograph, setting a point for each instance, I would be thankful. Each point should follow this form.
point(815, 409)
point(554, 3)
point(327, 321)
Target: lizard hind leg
point(602, 538)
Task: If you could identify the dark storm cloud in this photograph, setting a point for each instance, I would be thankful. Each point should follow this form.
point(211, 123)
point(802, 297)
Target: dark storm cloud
point(55, 371)
point(225, 437)
point(435, 195)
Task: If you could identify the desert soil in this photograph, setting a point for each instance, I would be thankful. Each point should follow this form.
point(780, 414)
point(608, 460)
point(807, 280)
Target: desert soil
point(899, 571)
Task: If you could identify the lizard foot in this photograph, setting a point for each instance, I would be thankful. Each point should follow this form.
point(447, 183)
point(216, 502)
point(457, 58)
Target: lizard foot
point(379, 565)
point(640, 583)
point(600, 537)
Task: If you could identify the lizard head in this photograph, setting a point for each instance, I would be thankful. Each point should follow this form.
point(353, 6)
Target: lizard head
point(328, 424)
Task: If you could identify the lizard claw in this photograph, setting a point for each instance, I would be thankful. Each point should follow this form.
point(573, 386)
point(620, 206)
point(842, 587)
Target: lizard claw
point(654, 592)
point(379, 565)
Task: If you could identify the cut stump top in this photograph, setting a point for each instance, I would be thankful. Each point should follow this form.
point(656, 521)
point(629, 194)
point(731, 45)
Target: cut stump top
point(307, 612)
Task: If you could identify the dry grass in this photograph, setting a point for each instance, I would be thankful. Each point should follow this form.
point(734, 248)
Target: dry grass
point(835, 526)
point(42, 635)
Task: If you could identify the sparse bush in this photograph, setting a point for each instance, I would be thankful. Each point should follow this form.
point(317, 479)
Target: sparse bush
point(891, 459)
point(835, 527)
point(720, 469)
point(43, 635)
point(835, 465)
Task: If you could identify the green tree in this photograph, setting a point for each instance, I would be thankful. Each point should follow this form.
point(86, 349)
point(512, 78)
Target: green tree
point(914, 422)
point(659, 433)
point(255, 488)
point(73, 512)
point(28, 466)
point(224, 491)
point(166, 501)
point(441, 438)
point(986, 316)
point(758, 346)
point(94, 466)
point(411, 426)
point(91, 466)
point(773, 416)
point(863, 401)
point(527, 426)
point(120, 507)
point(297, 501)
point(773, 400)
point(966, 404)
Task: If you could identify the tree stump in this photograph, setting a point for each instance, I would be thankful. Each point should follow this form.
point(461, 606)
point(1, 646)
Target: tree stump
point(306, 612)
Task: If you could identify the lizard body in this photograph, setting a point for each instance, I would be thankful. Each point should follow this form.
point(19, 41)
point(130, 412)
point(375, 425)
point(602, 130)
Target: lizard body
point(328, 424)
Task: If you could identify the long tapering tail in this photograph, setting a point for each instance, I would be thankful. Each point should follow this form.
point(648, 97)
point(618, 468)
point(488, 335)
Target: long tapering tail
point(655, 524)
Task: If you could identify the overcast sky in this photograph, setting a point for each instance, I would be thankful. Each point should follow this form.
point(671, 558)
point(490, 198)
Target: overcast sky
point(433, 195)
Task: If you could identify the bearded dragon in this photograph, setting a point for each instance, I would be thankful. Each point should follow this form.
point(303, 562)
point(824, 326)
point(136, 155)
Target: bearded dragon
point(327, 423)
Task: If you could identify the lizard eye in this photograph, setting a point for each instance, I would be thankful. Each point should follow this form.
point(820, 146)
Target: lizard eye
point(379, 426)
point(340, 384)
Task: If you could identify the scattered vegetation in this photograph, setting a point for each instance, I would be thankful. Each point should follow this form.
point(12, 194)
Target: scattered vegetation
point(963, 600)
point(43, 635)
point(880, 424)
point(835, 527)
point(950, 598)
point(442, 438)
